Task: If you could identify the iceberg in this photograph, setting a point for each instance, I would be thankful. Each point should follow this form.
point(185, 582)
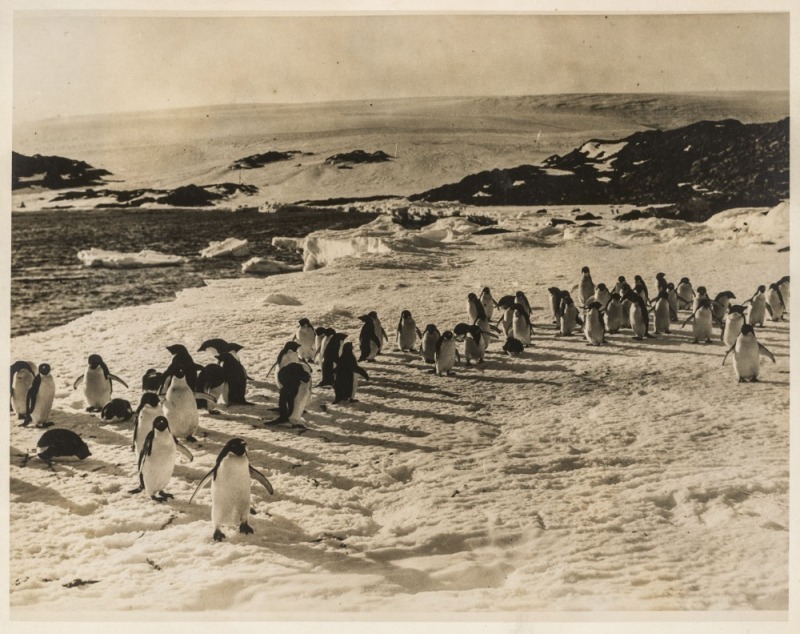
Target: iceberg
point(231, 247)
point(118, 260)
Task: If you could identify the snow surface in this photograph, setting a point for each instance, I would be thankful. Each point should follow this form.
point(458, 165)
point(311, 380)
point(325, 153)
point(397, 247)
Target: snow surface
point(267, 266)
point(635, 476)
point(117, 260)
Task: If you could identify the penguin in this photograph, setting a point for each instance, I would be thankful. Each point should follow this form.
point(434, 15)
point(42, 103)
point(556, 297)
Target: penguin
point(152, 380)
point(618, 286)
point(369, 341)
point(594, 327)
point(568, 316)
point(305, 335)
point(211, 379)
point(183, 360)
point(661, 282)
point(230, 488)
point(513, 347)
point(488, 332)
point(613, 314)
point(22, 376)
point(640, 287)
point(235, 379)
point(288, 354)
point(661, 312)
point(379, 331)
point(323, 344)
point(758, 307)
point(699, 297)
point(601, 294)
point(488, 302)
point(521, 300)
point(775, 305)
point(149, 409)
point(732, 325)
point(345, 381)
point(702, 321)
point(157, 460)
point(672, 298)
point(720, 304)
point(39, 400)
point(638, 316)
point(507, 319)
point(294, 394)
point(626, 305)
point(475, 309)
point(331, 358)
point(407, 332)
point(427, 347)
point(180, 405)
point(472, 337)
point(117, 410)
point(319, 336)
point(746, 353)
point(60, 443)
point(521, 328)
point(685, 293)
point(783, 287)
point(446, 354)
point(97, 383)
point(218, 346)
point(555, 303)
point(585, 286)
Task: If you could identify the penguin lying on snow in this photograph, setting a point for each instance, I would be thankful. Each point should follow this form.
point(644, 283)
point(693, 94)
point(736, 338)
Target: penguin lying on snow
point(58, 443)
point(230, 488)
point(117, 410)
point(152, 380)
point(97, 383)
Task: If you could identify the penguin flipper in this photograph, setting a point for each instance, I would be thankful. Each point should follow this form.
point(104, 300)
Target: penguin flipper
point(114, 377)
point(78, 382)
point(766, 353)
point(206, 479)
point(769, 309)
point(261, 478)
point(205, 396)
point(728, 352)
point(186, 453)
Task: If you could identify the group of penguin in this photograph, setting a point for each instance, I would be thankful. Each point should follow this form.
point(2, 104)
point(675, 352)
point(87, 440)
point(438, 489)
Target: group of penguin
point(168, 408)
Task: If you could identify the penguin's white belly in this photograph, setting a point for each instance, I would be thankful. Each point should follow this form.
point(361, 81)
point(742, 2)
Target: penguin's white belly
point(20, 387)
point(96, 388)
point(702, 325)
point(446, 359)
point(757, 312)
point(593, 330)
point(662, 316)
point(356, 378)
point(732, 329)
point(181, 411)
point(145, 425)
point(373, 350)
point(614, 317)
point(637, 320)
point(428, 348)
point(301, 400)
point(44, 401)
point(158, 466)
point(306, 350)
point(472, 350)
point(407, 337)
point(230, 492)
point(777, 309)
point(521, 331)
point(745, 359)
point(220, 393)
point(488, 308)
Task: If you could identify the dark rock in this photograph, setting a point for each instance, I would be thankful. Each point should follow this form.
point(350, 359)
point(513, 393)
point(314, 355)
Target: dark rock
point(53, 172)
point(588, 216)
point(554, 222)
point(358, 156)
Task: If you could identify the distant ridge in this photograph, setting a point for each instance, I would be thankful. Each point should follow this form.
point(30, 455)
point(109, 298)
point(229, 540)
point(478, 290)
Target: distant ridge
point(701, 169)
point(53, 172)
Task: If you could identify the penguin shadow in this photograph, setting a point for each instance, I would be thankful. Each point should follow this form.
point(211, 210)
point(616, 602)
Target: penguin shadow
point(387, 394)
point(421, 413)
point(410, 388)
point(667, 344)
point(521, 364)
point(358, 423)
point(40, 493)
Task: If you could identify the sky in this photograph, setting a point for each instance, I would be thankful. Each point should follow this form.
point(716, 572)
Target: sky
point(68, 63)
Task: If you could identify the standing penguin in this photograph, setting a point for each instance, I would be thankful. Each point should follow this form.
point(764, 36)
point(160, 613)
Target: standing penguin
point(626, 305)
point(522, 300)
point(368, 339)
point(638, 316)
point(407, 331)
point(699, 297)
point(149, 409)
point(22, 375)
point(319, 337)
point(672, 298)
point(488, 302)
point(720, 304)
point(783, 287)
point(661, 282)
point(601, 294)
point(758, 307)
point(618, 287)
point(180, 406)
point(521, 328)
point(640, 287)
point(295, 393)
point(235, 379)
point(157, 461)
point(230, 488)
point(507, 319)
point(472, 337)
point(183, 360)
point(775, 304)
point(332, 351)
point(585, 286)
point(97, 383)
point(475, 309)
point(568, 316)
point(614, 314)
point(305, 335)
point(702, 321)
point(379, 330)
point(746, 353)
point(446, 354)
point(211, 379)
point(288, 354)
point(39, 401)
point(661, 311)
point(555, 303)
point(594, 327)
point(427, 347)
point(345, 382)
point(732, 325)
point(685, 293)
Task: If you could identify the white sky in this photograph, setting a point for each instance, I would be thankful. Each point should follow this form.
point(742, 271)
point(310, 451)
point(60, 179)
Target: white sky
point(67, 64)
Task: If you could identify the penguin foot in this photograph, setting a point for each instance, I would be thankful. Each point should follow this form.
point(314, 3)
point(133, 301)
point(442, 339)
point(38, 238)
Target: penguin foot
point(649, 336)
point(191, 438)
point(158, 499)
point(245, 528)
point(276, 421)
point(695, 341)
point(166, 496)
point(218, 535)
point(93, 409)
point(213, 412)
point(708, 341)
point(754, 380)
point(138, 489)
point(44, 425)
point(467, 363)
point(353, 400)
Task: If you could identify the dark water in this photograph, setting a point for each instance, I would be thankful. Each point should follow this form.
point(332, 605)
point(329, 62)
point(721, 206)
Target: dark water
point(50, 286)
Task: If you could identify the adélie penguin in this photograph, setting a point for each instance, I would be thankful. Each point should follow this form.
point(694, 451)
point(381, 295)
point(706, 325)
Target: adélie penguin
point(594, 326)
point(294, 394)
point(157, 460)
point(345, 382)
point(758, 307)
point(180, 406)
point(59, 443)
point(585, 286)
point(446, 354)
point(39, 400)
point(746, 353)
point(305, 336)
point(230, 488)
point(732, 324)
point(22, 375)
point(149, 409)
point(97, 383)
point(775, 305)
point(702, 321)
point(368, 339)
point(408, 333)
point(427, 347)
point(235, 379)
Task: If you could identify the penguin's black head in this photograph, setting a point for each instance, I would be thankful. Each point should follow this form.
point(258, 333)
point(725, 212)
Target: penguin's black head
point(701, 290)
point(329, 332)
point(625, 289)
point(585, 269)
point(565, 294)
point(149, 398)
point(236, 446)
point(670, 286)
point(472, 296)
point(704, 303)
point(82, 450)
point(320, 330)
point(235, 347)
point(621, 279)
point(179, 373)
point(727, 294)
point(638, 279)
point(615, 296)
point(447, 335)
point(602, 287)
point(373, 314)
point(486, 290)
point(44, 369)
point(519, 294)
point(431, 328)
point(736, 308)
point(291, 345)
point(567, 300)
point(684, 280)
point(554, 290)
point(783, 280)
point(160, 423)
point(762, 288)
point(595, 305)
point(95, 360)
point(406, 314)
point(660, 275)
point(774, 286)
point(177, 348)
point(304, 322)
point(747, 329)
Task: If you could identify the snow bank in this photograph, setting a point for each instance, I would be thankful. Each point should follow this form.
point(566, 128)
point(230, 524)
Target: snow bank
point(118, 260)
point(282, 300)
point(755, 223)
point(230, 247)
point(267, 266)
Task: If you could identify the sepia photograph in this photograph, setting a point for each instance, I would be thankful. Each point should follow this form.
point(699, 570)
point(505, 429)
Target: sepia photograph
point(392, 316)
